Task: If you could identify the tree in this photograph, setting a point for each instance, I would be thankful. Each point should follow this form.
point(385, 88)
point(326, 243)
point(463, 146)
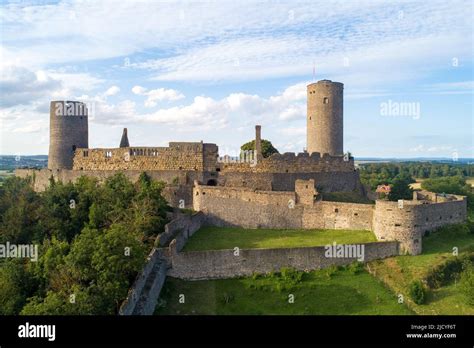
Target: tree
point(267, 148)
point(400, 188)
point(417, 292)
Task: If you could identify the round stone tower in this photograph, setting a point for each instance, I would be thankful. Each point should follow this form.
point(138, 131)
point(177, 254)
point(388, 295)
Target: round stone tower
point(325, 118)
point(68, 130)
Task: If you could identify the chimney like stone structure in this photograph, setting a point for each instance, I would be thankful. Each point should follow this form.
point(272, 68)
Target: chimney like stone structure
point(258, 142)
point(124, 141)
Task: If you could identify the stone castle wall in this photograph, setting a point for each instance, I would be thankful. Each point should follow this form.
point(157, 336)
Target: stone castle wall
point(293, 163)
point(229, 206)
point(326, 181)
point(409, 222)
point(179, 183)
point(178, 156)
point(181, 228)
point(244, 207)
point(215, 264)
point(143, 295)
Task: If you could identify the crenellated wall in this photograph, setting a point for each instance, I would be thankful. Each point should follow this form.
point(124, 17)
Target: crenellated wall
point(178, 156)
point(294, 163)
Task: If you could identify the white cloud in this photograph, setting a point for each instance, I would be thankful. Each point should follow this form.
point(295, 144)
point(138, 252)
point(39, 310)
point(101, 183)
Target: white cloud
point(238, 109)
point(112, 91)
point(20, 86)
point(157, 95)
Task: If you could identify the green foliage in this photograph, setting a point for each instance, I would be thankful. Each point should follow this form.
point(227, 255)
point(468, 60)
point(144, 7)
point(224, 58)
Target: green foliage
point(331, 271)
point(454, 185)
point(355, 267)
point(17, 283)
point(417, 292)
point(93, 241)
point(447, 271)
point(18, 211)
point(400, 188)
point(374, 174)
point(466, 283)
point(267, 147)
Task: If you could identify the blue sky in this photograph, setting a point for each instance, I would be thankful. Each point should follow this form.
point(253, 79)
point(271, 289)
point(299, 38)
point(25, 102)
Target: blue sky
point(172, 71)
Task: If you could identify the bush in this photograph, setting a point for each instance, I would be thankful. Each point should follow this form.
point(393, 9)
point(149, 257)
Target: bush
point(466, 283)
point(470, 225)
point(331, 270)
point(448, 271)
point(355, 267)
point(417, 292)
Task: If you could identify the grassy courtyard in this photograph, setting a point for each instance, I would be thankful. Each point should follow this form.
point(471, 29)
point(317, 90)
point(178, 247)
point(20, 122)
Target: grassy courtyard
point(349, 290)
point(215, 238)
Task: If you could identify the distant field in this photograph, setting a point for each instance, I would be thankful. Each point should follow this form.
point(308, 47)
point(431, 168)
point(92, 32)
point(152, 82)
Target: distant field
point(417, 184)
point(324, 292)
point(215, 238)
point(470, 181)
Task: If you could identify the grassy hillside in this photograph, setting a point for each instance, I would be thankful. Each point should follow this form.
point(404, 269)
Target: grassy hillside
point(349, 291)
point(398, 272)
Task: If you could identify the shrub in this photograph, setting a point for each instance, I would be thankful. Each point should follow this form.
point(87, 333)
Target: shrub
point(331, 270)
point(417, 292)
point(291, 276)
point(355, 267)
point(448, 271)
point(466, 283)
point(470, 225)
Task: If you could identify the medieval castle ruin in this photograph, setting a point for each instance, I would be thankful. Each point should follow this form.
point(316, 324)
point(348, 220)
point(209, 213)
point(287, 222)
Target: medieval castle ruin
point(281, 191)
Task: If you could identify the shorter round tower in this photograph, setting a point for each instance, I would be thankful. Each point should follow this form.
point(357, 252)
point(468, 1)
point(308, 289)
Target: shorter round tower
point(325, 118)
point(68, 130)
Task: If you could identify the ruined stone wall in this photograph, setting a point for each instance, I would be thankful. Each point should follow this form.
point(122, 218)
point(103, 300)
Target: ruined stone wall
point(338, 215)
point(181, 228)
point(229, 206)
point(180, 183)
point(293, 163)
point(247, 208)
point(408, 223)
point(215, 264)
point(178, 156)
point(325, 181)
point(143, 294)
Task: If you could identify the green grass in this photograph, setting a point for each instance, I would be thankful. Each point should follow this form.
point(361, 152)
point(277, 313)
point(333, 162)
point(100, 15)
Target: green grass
point(398, 272)
point(323, 292)
point(215, 238)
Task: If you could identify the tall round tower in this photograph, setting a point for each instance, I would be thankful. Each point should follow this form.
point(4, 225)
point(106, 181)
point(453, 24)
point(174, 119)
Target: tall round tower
point(68, 130)
point(325, 118)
